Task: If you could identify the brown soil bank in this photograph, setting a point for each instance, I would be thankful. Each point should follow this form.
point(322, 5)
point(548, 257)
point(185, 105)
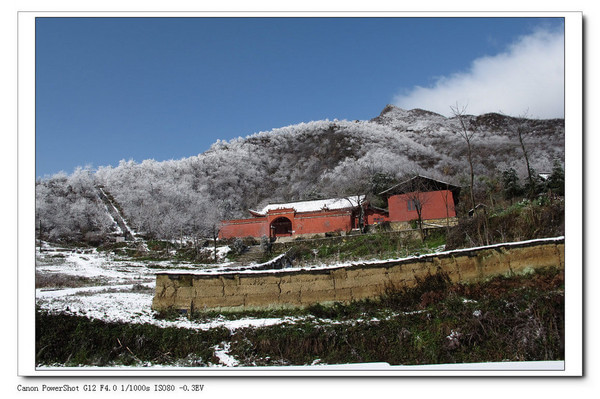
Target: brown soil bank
point(304, 287)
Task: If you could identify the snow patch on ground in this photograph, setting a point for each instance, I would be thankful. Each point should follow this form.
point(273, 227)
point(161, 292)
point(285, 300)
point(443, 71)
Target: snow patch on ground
point(222, 353)
point(125, 291)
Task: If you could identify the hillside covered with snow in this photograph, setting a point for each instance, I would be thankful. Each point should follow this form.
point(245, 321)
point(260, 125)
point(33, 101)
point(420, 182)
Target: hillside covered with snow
point(313, 160)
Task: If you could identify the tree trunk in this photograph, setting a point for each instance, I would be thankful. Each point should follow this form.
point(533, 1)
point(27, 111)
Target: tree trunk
point(215, 236)
point(447, 212)
point(420, 221)
point(361, 217)
point(472, 174)
point(519, 131)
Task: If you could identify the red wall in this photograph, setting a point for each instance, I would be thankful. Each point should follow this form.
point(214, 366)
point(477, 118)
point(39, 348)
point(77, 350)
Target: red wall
point(434, 206)
point(373, 216)
point(322, 222)
point(256, 227)
point(302, 223)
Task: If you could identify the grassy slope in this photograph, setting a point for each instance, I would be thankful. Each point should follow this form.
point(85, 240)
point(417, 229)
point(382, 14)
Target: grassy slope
point(519, 318)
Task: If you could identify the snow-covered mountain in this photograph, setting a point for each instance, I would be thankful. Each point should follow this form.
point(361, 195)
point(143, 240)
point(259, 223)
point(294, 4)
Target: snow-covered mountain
point(318, 159)
point(495, 140)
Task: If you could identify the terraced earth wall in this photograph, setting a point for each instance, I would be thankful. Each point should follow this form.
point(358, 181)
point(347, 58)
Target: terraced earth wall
point(302, 287)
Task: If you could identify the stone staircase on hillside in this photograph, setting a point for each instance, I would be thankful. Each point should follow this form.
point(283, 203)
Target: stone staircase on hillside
point(113, 210)
point(253, 254)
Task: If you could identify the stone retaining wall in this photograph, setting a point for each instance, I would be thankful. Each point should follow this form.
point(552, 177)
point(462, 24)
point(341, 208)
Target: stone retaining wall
point(303, 287)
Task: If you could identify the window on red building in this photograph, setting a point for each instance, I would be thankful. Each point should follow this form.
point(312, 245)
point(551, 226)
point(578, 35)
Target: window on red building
point(413, 204)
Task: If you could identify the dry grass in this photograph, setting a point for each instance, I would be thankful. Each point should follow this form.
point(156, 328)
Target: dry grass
point(61, 280)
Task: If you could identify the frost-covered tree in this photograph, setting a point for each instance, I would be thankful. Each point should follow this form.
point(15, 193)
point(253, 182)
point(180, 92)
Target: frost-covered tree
point(68, 208)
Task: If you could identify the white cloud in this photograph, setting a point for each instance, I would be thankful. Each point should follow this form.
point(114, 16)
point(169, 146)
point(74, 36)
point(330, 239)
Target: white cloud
point(528, 77)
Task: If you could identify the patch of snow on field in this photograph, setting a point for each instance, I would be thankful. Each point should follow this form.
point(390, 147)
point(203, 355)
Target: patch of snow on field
point(125, 294)
point(90, 264)
point(130, 307)
point(222, 353)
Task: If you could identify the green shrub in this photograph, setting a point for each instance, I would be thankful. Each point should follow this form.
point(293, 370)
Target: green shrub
point(74, 340)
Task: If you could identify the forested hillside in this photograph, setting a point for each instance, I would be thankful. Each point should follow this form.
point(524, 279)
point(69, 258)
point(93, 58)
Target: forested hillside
point(317, 159)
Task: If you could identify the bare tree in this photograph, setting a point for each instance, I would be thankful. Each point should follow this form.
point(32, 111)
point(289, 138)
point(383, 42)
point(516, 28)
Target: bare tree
point(467, 131)
point(354, 185)
point(210, 226)
point(358, 201)
point(209, 216)
point(418, 198)
point(445, 196)
point(518, 127)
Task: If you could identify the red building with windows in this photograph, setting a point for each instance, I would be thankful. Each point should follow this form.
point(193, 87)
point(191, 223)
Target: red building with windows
point(435, 200)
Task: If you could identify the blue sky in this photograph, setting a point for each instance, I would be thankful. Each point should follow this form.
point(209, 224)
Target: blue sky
point(109, 89)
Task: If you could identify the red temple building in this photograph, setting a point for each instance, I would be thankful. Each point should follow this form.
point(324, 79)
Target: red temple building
point(297, 219)
point(436, 200)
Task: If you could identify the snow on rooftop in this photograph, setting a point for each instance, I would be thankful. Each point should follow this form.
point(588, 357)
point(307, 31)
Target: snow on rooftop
point(316, 205)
